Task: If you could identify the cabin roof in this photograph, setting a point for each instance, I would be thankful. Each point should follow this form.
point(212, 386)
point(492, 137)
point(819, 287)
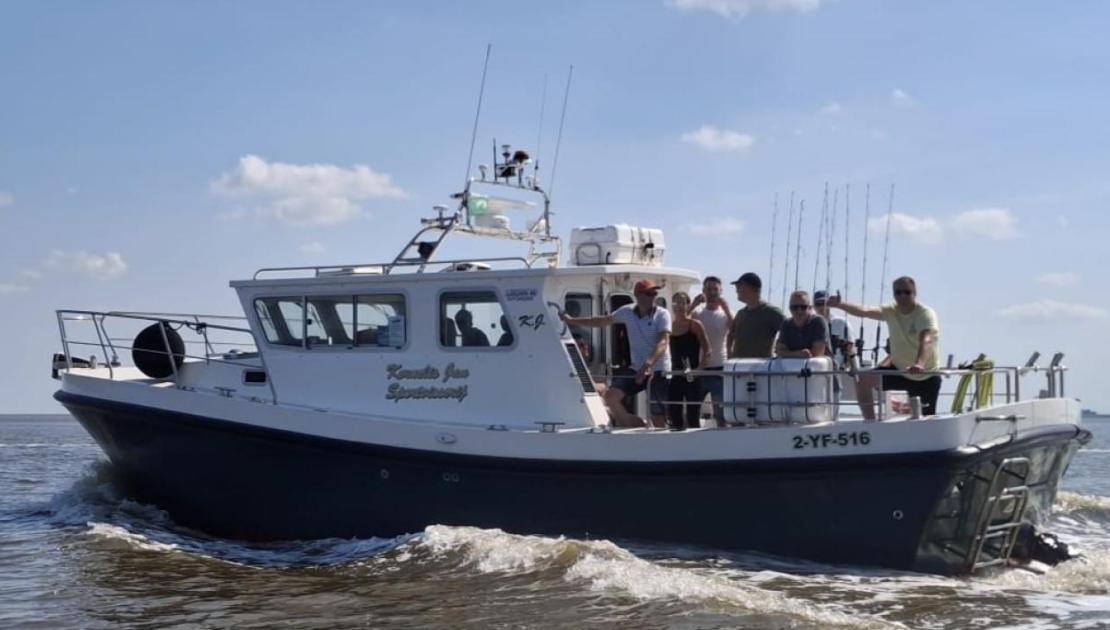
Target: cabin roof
point(432, 277)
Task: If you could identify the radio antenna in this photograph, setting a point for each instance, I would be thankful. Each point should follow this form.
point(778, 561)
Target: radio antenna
point(774, 226)
point(559, 138)
point(477, 116)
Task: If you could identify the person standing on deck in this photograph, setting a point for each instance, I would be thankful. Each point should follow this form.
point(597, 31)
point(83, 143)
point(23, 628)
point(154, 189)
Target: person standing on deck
point(840, 338)
point(914, 336)
point(711, 309)
point(689, 350)
point(649, 331)
point(755, 326)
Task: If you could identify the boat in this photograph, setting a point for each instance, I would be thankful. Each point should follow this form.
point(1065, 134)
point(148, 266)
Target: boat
point(376, 399)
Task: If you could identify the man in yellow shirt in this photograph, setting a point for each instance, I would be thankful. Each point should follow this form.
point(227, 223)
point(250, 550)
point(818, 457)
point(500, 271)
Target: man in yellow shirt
point(914, 335)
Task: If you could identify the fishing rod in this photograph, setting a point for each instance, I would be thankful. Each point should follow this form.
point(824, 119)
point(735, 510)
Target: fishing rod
point(771, 267)
point(863, 283)
point(820, 235)
point(798, 243)
point(882, 283)
point(830, 233)
point(847, 244)
point(786, 254)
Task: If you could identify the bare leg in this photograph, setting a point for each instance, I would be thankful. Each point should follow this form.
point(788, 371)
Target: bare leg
point(614, 400)
point(865, 393)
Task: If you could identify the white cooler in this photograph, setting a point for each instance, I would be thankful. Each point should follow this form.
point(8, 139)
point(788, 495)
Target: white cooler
point(774, 390)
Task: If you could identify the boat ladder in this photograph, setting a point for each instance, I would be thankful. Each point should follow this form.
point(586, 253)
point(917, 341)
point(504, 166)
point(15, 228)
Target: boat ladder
point(1002, 514)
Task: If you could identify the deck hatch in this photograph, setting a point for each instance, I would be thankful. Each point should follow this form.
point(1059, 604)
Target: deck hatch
point(580, 368)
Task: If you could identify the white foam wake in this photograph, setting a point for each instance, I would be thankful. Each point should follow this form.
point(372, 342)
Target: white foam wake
point(609, 569)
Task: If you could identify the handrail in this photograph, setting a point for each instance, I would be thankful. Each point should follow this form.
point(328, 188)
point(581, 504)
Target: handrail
point(385, 267)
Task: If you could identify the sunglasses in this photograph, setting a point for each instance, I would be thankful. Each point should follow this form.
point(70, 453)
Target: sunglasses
point(903, 292)
point(799, 307)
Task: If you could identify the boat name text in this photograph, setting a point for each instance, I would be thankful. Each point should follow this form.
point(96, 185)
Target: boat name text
point(398, 372)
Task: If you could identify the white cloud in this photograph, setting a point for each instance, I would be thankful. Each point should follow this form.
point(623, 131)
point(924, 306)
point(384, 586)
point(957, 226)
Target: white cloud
point(901, 98)
point(739, 8)
point(711, 138)
point(315, 247)
point(6, 289)
point(719, 228)
point(925, 230)
point(305, 194)
point(99, 266)
point(1052, 310)
point(6, 199)
point(995, 224)
point(30, 274)
point(1059, 278)
point(832, 108)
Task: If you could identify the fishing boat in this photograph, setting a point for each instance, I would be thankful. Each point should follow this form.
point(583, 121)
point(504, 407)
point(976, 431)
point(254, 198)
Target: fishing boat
point(375, 399)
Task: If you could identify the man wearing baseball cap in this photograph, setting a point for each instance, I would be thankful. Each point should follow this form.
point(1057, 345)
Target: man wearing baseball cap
point(755, 326)
point(649, 331)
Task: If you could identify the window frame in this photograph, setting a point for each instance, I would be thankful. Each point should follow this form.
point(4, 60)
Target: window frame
point(493, 347)
point(354, 345)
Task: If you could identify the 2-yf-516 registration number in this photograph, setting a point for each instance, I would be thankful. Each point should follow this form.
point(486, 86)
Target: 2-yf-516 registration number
point(826, 440)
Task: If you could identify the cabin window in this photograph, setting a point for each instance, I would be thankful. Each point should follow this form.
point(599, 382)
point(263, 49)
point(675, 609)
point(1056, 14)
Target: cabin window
point(582, 305)
point(473, 319)
point(282, 318)
point(334, 320)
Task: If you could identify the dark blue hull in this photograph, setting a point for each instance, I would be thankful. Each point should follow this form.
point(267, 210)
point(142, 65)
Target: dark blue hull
point(239, 481)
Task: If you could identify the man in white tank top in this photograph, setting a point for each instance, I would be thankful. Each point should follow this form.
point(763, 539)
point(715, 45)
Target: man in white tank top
point(713, 312)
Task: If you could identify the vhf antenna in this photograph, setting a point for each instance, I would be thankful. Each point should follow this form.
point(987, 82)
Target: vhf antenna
point(539, 135)
point(477, 115)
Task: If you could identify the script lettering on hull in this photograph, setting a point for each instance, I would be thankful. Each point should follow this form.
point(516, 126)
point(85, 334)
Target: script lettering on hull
point(451, 372)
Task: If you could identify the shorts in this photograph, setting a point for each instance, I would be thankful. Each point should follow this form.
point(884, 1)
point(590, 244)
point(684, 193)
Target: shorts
point(660, 384)
point(926, 389)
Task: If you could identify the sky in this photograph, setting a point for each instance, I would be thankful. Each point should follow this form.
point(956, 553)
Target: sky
point(150, 152)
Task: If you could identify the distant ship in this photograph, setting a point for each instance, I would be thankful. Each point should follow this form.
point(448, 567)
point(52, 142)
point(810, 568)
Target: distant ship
point(1091, 413)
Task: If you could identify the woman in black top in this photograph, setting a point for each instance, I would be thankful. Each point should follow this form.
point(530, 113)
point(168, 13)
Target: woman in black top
point(689, 349)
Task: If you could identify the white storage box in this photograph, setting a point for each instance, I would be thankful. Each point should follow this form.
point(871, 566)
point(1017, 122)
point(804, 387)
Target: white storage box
point(774, 390)
point(617, 245)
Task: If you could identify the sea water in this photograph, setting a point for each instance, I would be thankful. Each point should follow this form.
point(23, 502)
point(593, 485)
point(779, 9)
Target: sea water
point(75, 553)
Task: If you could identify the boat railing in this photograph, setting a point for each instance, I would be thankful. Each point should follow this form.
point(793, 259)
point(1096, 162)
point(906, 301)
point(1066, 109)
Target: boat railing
point(976, 388)
point(108, 338)
point(376, 269)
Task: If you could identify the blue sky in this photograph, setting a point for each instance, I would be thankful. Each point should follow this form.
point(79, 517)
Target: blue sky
point(152, 151)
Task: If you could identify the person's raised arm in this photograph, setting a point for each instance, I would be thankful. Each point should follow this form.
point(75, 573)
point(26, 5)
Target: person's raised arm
point(596, 321)
point(859, 310)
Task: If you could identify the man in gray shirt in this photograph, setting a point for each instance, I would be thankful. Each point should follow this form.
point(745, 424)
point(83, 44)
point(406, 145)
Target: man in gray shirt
point(805, 334)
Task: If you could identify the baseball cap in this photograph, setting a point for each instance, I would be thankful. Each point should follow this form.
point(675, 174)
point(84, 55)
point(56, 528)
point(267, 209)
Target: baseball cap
point(750, 279)
point(821, 296)
point(645, 286)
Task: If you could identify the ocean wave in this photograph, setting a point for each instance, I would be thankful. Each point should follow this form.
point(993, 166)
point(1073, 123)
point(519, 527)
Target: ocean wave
point(610, 569)
point(1086, 575)
point(1092, 505)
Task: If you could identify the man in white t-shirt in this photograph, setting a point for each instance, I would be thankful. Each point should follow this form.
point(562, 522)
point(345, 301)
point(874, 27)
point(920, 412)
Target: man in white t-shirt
point(649, 332)
point(711, 309)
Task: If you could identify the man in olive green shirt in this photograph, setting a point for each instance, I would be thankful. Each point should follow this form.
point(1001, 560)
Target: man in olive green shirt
point(914, 333)
point(755, 326)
